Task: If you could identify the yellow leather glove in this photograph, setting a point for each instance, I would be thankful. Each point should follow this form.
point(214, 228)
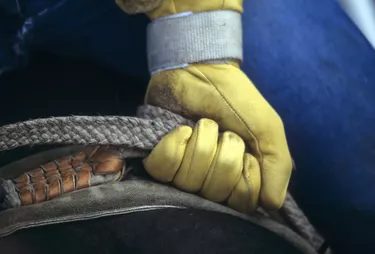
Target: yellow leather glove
point(214, 166)
point(222, 92)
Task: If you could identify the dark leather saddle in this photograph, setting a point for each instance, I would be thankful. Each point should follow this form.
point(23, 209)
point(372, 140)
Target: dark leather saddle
point(77, 184)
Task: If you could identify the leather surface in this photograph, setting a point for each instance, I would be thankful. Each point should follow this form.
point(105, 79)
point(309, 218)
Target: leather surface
point(123, 198)
point(89, 167)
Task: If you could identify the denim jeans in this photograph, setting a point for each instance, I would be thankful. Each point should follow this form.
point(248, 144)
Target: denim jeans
point(306, 57)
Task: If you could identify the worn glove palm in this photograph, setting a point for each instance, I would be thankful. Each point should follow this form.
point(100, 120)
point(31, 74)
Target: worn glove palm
point(222, 92)
point(204, 162)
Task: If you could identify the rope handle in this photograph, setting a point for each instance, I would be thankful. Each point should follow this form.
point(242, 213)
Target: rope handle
point(142, 132)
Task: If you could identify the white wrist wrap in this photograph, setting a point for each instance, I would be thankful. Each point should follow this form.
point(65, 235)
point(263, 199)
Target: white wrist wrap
point(176, 41)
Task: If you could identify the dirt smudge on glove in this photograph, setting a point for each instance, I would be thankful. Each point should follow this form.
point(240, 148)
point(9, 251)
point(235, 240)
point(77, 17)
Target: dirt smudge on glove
point(138, 6)
point(161, 93)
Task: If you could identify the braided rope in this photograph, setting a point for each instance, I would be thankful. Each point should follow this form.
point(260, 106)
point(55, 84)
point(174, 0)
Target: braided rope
point(131, 132)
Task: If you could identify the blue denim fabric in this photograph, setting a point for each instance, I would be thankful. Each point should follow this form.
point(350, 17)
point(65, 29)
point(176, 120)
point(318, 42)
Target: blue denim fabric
point(308, 60)
point(318, 71)
point(96, 30)
point(10, 21)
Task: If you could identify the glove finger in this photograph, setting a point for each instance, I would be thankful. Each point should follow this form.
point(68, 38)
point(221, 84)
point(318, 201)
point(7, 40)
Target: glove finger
point(245, 195)
point(198, 156)
point(276, 172)
point(165, 159)
point(245, 112)
point(225, 169)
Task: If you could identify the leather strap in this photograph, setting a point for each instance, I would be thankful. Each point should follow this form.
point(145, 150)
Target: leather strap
point(179, 40)
point(92, 166)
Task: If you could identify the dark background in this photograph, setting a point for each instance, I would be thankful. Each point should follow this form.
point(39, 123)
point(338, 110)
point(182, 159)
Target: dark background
point(53, 86)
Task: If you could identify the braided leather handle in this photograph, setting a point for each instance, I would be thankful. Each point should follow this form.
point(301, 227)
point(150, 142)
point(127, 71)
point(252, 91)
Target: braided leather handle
point(93, 166)
point(67, 174)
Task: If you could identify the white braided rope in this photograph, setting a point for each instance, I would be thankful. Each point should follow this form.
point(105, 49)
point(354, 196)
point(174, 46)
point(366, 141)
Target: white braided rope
point(132, 132)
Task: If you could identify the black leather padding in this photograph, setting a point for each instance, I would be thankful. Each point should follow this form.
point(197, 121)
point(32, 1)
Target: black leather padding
point(2, 195)
point(156, 231)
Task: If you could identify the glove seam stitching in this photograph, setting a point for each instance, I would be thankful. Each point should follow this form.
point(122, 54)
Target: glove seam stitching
point(235, 113)
point(234, 188)
point(174, 6)
point(205, 186)
point(192, 157)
